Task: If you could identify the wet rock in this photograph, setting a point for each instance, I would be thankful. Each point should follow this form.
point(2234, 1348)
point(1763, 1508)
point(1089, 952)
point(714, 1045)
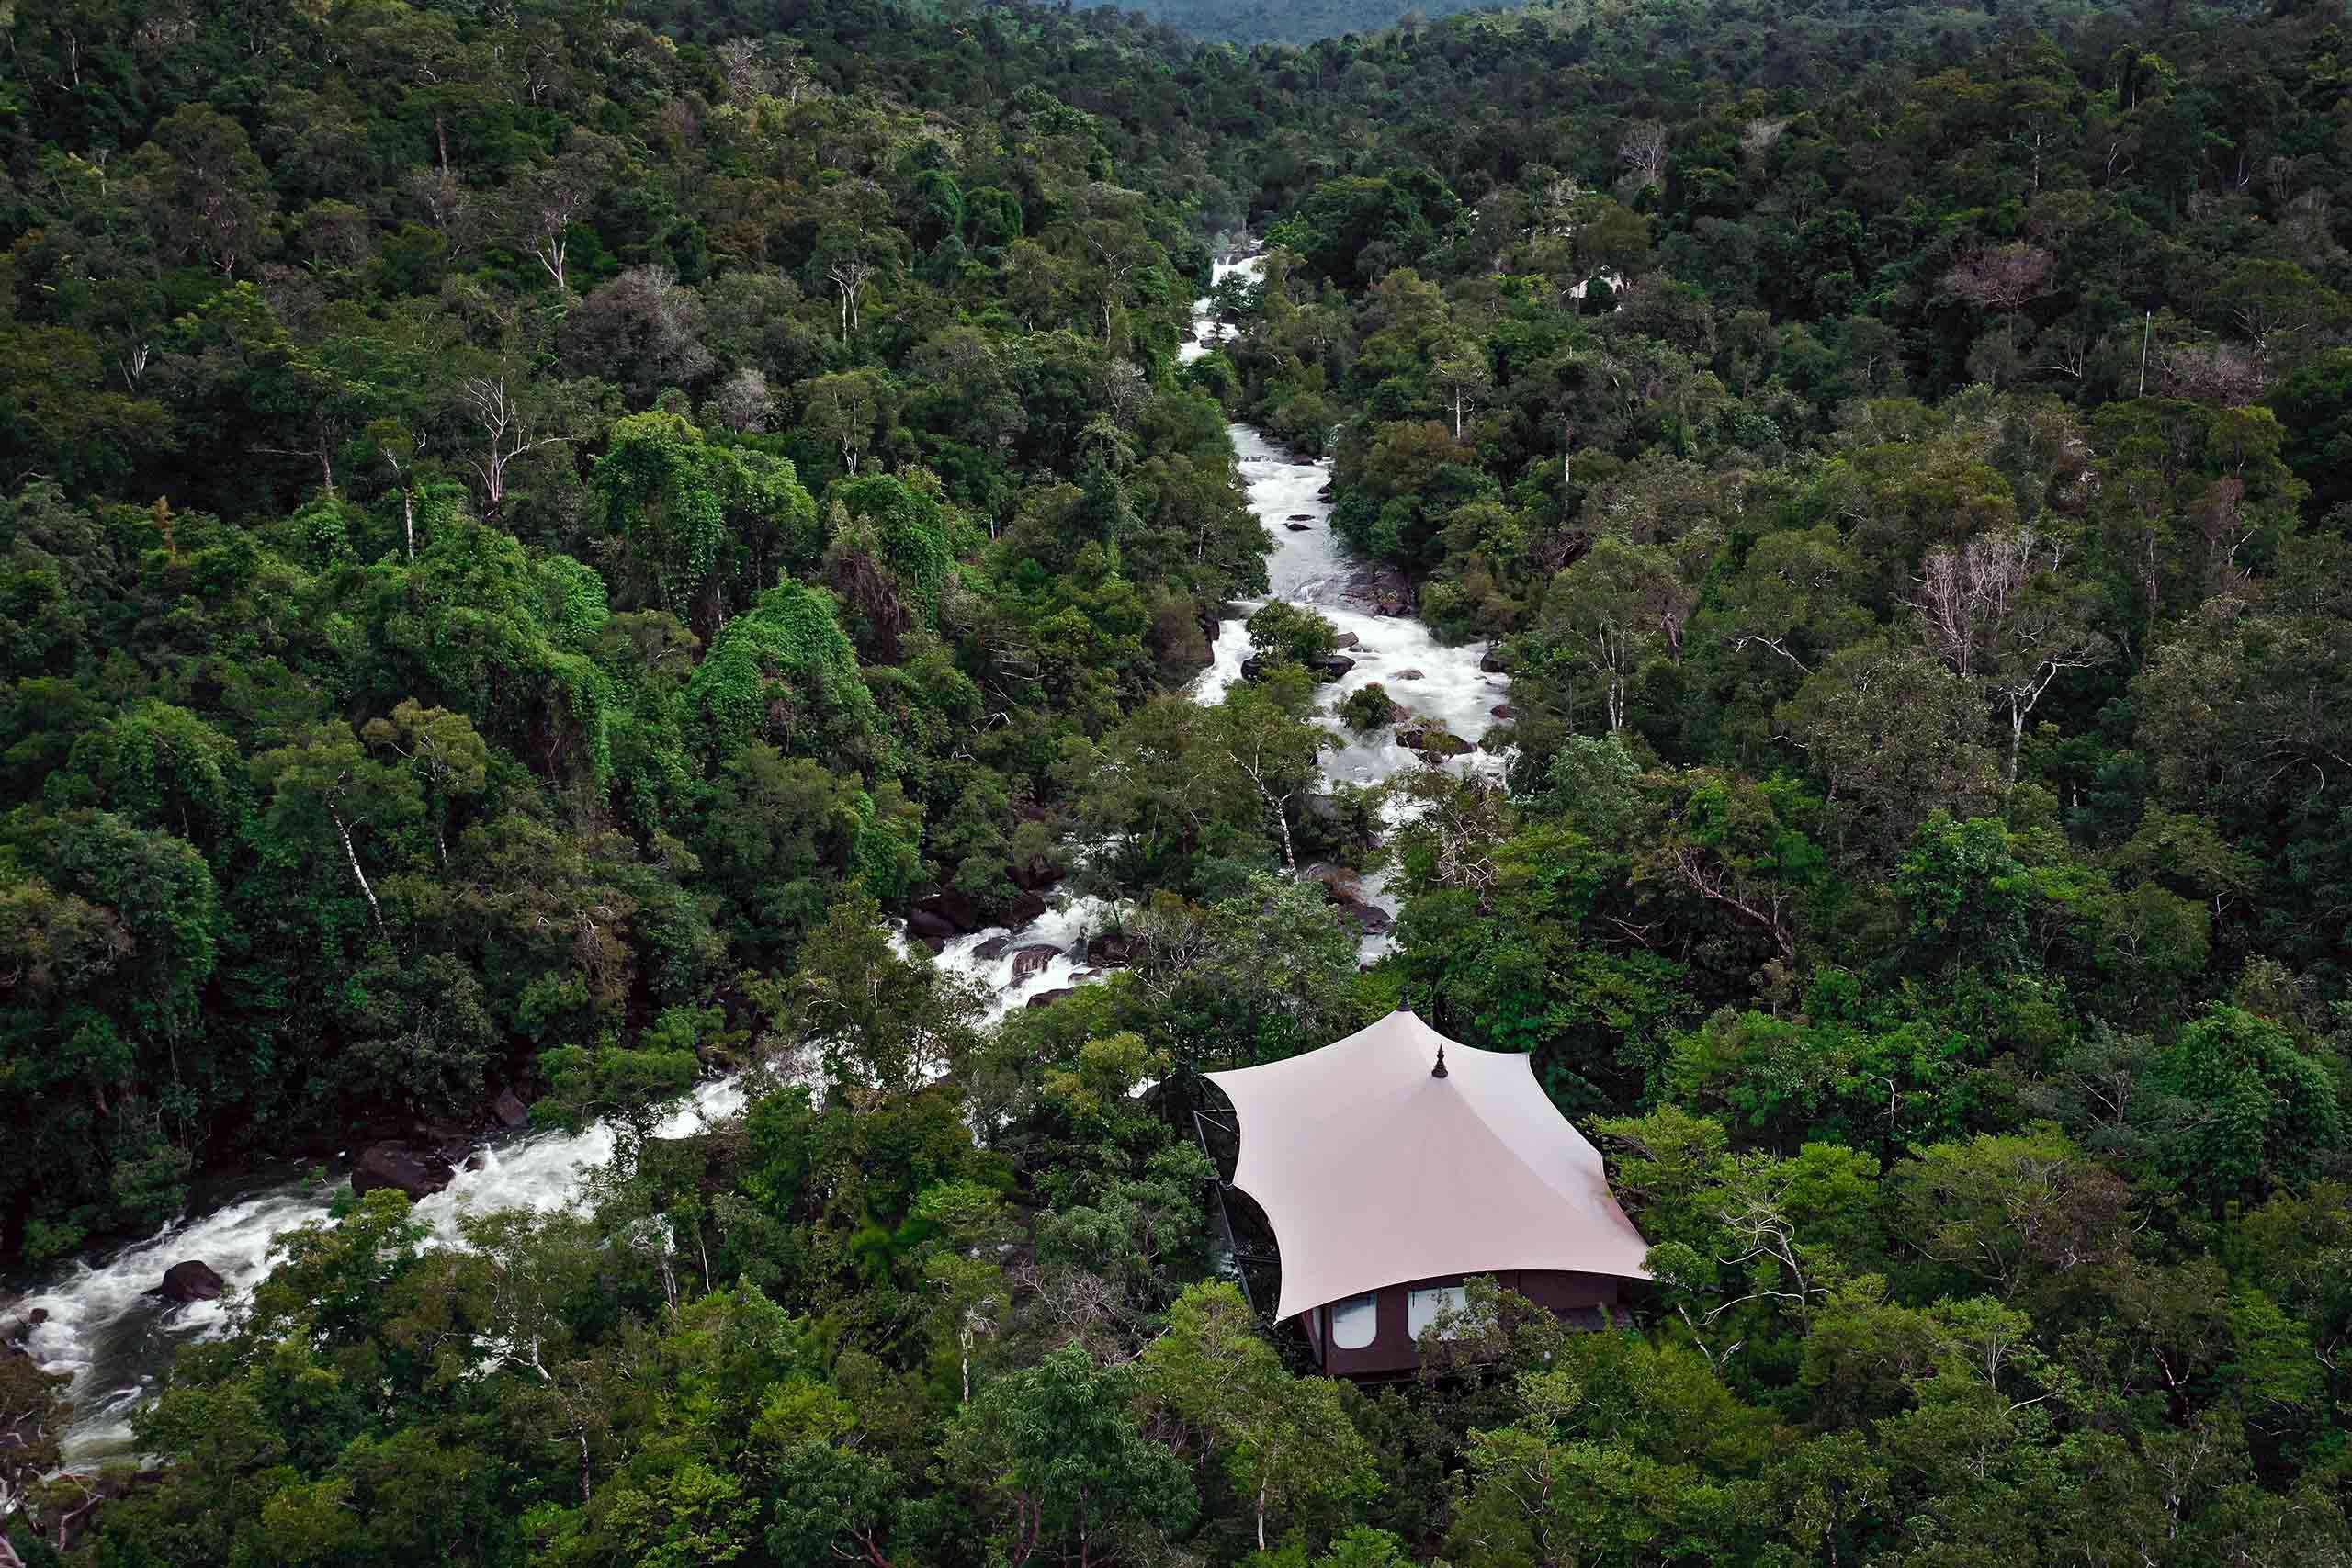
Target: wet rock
point(1325, 494)
point(1369, 919)
point(509, 1110)
point(1034, 876)
point(1495, 662)
point(1431, 741)
point(1113, 950)
point(1346, 639)
point(419, 1173)
point(477, 1164)
point(1295, 527)
point(993, 948)
point(1409, 675)
point(192, 1281)
point(1301, 517)
point(1027, 908)
point(1030, 960)
point(948, 912)
point(926, 927)
point(1398, 712)
point(1047, 998)
point(1329, 667)
point(1503, 710)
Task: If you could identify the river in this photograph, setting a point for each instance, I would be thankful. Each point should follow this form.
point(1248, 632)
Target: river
point(116, 1339)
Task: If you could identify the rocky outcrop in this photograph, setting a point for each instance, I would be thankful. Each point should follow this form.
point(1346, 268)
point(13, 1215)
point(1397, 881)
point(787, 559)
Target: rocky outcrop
point(1346, 639)
point(1027, 908)
point(1431, 741)
point(1495, 662)
point(419, 1173)
point(509, 1110)
point(191, 1281)
point(993, 948)
point(1047, 998)
point(1503, 710)
point(1329, 667)
point(1410, 675)
point(942, 914)
point(1112, 950)
point(1030, 960)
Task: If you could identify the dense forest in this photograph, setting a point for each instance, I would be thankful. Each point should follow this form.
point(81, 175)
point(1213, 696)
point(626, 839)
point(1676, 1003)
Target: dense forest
point(546, 544)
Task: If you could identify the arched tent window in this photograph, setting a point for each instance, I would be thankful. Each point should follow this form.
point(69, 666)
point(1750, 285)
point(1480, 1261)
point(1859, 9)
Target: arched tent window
point(1356, 1322)
point(1421, 1310)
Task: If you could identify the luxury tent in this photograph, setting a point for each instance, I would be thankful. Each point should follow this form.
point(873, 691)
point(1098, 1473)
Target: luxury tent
point(1395, 1164)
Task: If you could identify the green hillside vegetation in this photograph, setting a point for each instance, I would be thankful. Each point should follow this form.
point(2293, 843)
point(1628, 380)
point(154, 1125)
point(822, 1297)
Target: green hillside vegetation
point(531, 531)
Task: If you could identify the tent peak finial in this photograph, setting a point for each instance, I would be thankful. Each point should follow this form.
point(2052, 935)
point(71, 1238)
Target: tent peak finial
point(1438, 1071)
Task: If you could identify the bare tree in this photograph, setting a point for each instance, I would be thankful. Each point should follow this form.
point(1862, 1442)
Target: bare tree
point(1644, 148)
point(1994, 611)
point(743, 401)
point(2002, 279)
point(557, 195)
point(505, 427)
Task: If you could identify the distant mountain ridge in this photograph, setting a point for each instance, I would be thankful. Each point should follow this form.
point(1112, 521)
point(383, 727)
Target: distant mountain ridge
point(1902, 21)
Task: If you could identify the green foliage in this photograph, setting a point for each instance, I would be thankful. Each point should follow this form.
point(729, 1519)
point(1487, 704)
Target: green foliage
point(1896, 454)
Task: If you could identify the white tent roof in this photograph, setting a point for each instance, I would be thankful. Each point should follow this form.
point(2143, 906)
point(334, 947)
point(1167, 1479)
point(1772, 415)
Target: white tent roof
point(1374, 1173)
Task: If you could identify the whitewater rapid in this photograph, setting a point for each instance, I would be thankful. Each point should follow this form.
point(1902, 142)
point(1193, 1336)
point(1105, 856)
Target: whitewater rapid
point(115, 1338)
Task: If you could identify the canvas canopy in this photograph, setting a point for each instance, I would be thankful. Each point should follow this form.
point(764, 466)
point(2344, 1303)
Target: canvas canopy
point(1374, 1173)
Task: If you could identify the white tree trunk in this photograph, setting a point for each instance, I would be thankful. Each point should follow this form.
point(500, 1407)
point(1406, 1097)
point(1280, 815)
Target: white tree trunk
point(352, 853)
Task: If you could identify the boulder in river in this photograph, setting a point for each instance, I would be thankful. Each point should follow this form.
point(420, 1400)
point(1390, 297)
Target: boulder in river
point(1503, 710)
point(1346, 639)
point(1431, 741)
point(1029, 960)
point(993, 948)
point(510, 1111)
point(926, 927)
point(191, 1281)
point(1301, 517)
point(1495, 662)
point(1409, 675)
point(944, 913)
point(1329, 667)
point(419, 1173)
point(1295, 527)
point(1369, 919)
point(1027, 908)
point(1047, 998)
point(1114, 950)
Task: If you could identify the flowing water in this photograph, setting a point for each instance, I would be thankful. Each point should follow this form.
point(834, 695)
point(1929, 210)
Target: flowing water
point(116, 1339)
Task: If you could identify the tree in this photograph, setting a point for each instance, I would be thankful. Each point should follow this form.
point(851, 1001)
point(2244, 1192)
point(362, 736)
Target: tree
point(1465, 377)
point(325, 782)
point(842, 411)
point(209, 193)
point(1056, 1463)
point(1275, 752)
point(1993, 613)
point(1283, 1440)
point(1896, 734)
point(1621, 606)
point(2263, 1112)
point(549, 200)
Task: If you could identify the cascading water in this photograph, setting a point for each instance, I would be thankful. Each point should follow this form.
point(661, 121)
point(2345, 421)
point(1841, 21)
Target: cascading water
point(106, 1328)
point(1431, 681)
